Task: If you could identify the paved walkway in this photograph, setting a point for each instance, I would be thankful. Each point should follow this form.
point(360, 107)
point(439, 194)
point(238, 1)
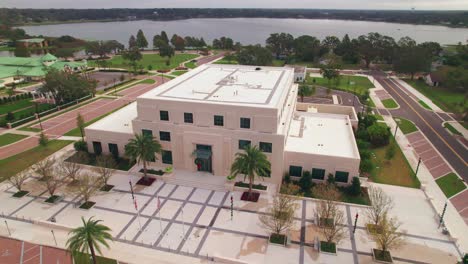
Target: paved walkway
point(14, 251)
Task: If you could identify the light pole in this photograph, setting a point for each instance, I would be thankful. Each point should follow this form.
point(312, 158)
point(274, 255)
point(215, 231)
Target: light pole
point(355, 223)
point(443, 214)
point(8, 228)
point(417, 167)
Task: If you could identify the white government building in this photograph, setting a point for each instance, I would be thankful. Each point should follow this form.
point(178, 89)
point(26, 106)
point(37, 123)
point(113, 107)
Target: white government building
point(204, 117)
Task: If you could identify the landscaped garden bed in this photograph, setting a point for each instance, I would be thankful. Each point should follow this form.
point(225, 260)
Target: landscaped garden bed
point(20, 194)
point(254, 186)
point(146, 181)
point(154, 172)
point(252, 197)
point(53, 199)
point(86, 158)
point(327, 247)
point(106, 188)
point(87, 205)
point(279, 239)
point(382, 256)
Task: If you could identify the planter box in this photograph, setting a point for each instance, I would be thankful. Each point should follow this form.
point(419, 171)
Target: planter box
point(242, 189)
point(327, 252)
point(381, 261)
point(87, 205)
point(20, 194)
point(54, 199)
point(106, 188)
point(276, 236)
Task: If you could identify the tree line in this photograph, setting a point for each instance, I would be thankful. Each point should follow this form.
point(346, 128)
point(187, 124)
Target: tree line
point(25, 16)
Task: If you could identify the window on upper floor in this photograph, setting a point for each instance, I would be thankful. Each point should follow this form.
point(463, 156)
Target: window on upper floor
point(266, 147)
point(188, 118)
point(245, 122)
point(164, 115)
point(164, 136)
point(218, 120)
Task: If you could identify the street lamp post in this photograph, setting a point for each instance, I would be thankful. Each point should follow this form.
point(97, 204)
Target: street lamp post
point(355, 223)
point(417, 167)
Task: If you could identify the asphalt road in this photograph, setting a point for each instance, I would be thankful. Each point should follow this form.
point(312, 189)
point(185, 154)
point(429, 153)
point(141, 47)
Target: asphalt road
point(429, 123)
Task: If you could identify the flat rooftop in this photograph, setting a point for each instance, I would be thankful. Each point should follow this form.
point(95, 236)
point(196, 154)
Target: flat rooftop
point(322, 134)
point(227, 84)
point(120, 121)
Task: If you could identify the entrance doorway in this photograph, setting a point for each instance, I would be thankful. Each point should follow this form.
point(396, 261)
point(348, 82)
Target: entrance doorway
point(203, 158)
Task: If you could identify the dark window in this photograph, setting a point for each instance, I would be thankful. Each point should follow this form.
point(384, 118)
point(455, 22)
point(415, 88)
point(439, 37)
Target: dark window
point(266, 147)
point(341, 176)
point(188, 118)
point(164, 115)
point(243, 144)
point(295, 171)
point(114, 150)
point(97, 147)
point(318, 174)
point(166, 157)
point(164, 136)
point(245, 122)
point(147, 132)
point(218, 120)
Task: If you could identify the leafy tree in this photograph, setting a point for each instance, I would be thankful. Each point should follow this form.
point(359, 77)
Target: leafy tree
point(133, 55)
point(53, 181)
point(105, 167)
point(43, 139)
point(330, 74)
point(355, 188)
point(80, 146)
point(331, 43)
point(254, 55)
point(331, 179)
point(304, 90)
point(88, 185)
point(411, 58)
point(141, 41)
point(306, 182)
point(456, 79)
point(44, 168)
point(65, 86)
point(166, 51)
point(379, 135)
point(252, 163)
point(143, 148)
point(70, 170)
point(280, 44)
point(367, 47)
point(80, 123)
point(88, 238)
point(347, 50)
point(10, 116)
point(132, 43)
point(307, 48)
point(164, 37)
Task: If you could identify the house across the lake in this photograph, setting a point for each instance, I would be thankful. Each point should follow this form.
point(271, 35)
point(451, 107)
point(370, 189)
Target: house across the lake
point(206, 116)
point(16, 69)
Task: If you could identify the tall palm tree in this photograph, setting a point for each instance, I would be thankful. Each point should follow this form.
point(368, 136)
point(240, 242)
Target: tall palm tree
point(87, 238)
point(252, 163)
point(143, 148)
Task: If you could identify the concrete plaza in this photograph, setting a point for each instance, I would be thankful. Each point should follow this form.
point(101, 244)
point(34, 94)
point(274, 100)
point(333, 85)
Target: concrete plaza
point(194, 225)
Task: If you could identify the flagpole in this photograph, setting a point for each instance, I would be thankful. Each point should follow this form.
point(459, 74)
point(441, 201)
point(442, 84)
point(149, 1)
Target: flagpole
point(135, 203)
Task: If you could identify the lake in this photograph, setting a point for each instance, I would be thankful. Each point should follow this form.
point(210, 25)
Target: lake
point(249, 30)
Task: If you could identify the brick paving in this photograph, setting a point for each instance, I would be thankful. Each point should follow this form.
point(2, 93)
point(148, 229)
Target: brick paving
point(14, 251)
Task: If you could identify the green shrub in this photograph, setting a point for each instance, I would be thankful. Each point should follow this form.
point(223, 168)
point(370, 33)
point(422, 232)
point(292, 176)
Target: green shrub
point(366, 166)
point(331, 179)
point(43, 139)
point(287, 178)
point(379, 135)
point(10, 116)
point(81, 146)
point(355, 188)
point(306, 181)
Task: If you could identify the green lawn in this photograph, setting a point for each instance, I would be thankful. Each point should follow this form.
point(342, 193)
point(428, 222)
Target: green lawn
point(395, 171)
point(389, 103)
point(451, 184)
point(158, 62)
point(147, 81)
point(452, 129)
point(223, 61)
point(379, 117)
point(82, 258)
point(178, 73)
point(444, 98)
point(167, 76)
point(14, 164)
point(9, 138)
point(349, 83)
point(13, 106)
point(191, 65)
point(406, 126)
point(423, 104)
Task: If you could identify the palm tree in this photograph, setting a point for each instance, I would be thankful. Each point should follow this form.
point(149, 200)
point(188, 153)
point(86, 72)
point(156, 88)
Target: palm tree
point(87, 238)
point(252, 162)
point(142, 148)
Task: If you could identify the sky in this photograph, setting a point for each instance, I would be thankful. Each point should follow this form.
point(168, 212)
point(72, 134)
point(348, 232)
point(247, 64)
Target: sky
point(319, 4)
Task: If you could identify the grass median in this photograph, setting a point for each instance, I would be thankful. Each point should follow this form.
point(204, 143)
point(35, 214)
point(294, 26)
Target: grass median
point(14, 164)
point(9, 138)
point(405, 125)
point(389, 103)
point(451, 184)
